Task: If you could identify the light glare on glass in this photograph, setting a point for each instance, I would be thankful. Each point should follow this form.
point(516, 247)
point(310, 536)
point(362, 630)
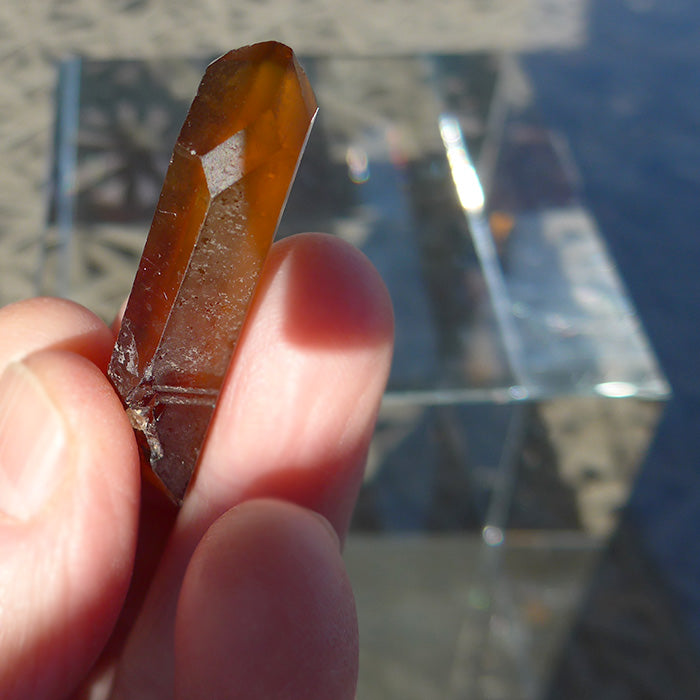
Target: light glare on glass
point(469, 191)
point(616, 390)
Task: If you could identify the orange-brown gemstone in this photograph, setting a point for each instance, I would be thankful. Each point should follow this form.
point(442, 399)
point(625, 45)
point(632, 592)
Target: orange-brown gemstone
point(222, 198)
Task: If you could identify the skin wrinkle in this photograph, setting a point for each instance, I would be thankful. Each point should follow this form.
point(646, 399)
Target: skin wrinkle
point(80, 452)
point(42, 461)
point(75, 571)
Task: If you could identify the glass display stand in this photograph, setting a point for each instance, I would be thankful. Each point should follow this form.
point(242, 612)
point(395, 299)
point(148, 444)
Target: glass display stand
point(523, 392)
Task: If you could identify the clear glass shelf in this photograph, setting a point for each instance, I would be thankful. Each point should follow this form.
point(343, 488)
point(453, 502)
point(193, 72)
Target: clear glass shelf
point(523, 392)
point(514, 298)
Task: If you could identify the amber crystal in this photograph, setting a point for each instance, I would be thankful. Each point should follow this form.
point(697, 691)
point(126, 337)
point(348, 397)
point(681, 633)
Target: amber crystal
point(222, 198)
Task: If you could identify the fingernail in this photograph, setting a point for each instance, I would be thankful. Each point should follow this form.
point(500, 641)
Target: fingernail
point(329, 528)
point(33, 444)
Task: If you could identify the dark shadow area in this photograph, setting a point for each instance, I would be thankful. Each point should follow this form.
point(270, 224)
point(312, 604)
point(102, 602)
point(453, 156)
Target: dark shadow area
point(628, 104)
point(627, 642)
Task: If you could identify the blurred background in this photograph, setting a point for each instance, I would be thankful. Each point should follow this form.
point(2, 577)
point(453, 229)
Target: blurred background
point(524, 174)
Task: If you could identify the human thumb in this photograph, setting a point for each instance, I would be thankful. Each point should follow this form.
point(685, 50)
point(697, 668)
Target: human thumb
point(68, 519)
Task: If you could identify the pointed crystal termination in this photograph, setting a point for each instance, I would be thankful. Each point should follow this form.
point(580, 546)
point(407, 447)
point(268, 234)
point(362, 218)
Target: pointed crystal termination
point(222, 198)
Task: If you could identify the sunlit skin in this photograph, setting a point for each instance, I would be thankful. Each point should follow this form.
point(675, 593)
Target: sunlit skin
point(242, 592)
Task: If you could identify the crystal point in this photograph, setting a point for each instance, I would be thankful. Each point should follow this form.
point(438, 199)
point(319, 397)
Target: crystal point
point(224, 192)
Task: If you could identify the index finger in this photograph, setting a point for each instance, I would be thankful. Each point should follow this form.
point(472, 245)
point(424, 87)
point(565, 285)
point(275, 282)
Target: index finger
point(297, 412)
point(294, 419)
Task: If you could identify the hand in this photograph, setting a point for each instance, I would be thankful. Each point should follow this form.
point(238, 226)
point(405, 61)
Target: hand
point(242, 593)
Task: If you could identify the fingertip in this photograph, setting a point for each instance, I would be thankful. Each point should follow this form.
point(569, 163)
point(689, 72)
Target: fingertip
point(298, 408)
point(334, 296)
point(117, 321)
point(266, 610)
point(45, 323)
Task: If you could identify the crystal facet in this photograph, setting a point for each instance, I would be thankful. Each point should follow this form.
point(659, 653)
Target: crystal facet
point(222, 198)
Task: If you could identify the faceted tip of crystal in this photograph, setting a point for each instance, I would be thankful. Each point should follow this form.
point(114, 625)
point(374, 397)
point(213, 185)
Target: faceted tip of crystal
point(264, 50)
point(257, 71)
